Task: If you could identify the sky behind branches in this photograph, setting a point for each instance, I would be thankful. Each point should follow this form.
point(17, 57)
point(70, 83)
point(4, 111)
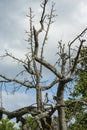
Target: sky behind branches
point(71, 20)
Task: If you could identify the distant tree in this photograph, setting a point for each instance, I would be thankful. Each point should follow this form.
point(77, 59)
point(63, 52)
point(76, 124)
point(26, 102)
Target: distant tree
point(63, 71)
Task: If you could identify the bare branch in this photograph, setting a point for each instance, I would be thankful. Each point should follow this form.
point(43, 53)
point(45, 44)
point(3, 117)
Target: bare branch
point(78, 36)
point(36, 32)
point(13, 57)
point(30, 110)
point(36, 41)
point(46, 34)
point(31, 31)
point(19, 112)
point(77, 56)
point(9, 80)
point(49, 66)
point(50, 86)
point(33, 110)
point(43, 6)
point(29, 70)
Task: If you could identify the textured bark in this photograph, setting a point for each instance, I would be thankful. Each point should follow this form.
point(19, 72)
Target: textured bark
point(62, 119)
point(39, 98)
point(61, 111)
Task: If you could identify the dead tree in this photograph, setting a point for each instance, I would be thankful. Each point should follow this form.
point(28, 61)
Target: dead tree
point(67, 72)
point(32, 68)
point(64, 72)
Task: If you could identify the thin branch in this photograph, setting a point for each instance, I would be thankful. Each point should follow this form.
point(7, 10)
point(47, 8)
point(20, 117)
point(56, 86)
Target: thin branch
point(20, 73)
point(13, 57)
point(78, 36)
point(82, 58)
point(77, 56)
point(31, 31)
point(9, 80)
point(43, 6)
point(29, 70)
point(36, 32)
point(50, 86)
point(46, 34)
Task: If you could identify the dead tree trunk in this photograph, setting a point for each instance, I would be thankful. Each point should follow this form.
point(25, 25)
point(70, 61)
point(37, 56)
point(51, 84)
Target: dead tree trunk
point(61, 111)
point(60, 91)
point(39, 98)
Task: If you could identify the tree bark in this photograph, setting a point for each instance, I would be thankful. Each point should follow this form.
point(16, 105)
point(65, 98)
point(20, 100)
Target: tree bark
point(61, 111)
point(39, 98)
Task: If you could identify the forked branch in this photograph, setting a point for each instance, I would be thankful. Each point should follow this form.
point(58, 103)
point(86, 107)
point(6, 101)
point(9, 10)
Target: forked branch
point(49, 66)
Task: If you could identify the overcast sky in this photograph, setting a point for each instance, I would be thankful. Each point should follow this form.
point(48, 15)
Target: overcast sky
point(71, 20)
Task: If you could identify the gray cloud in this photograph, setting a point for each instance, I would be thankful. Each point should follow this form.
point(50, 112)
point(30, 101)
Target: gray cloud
point(13, 22)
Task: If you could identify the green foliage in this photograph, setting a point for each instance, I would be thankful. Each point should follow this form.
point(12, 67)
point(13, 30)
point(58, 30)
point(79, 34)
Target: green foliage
point(83, 53)
point(80, 123)
point(30, 122)
point(77, 110)
point(81, 88)
point(5, 124)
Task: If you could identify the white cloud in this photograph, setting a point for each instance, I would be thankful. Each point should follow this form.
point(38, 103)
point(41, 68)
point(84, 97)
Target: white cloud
point(21, 99)
point(17, 100)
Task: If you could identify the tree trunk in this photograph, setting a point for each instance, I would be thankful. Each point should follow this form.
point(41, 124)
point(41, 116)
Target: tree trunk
point(61, 110)
point(39, 98)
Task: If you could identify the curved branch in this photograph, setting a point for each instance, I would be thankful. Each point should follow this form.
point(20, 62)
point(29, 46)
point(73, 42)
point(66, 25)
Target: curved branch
point(18, 113)
point(49, 66)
